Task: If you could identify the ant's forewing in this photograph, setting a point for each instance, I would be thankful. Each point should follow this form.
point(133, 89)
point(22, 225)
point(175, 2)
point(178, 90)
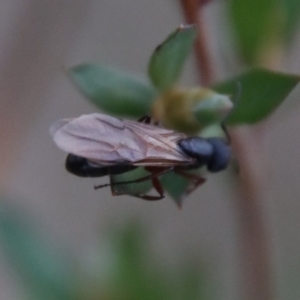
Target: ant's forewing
point(106, 140)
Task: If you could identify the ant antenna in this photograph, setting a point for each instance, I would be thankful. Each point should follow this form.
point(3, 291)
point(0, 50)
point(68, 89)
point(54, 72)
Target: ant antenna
point(235, 99)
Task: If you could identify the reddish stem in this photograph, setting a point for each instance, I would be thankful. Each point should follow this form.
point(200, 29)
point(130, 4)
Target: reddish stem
point(254, 251)
point(193, 14)
point(256, 276)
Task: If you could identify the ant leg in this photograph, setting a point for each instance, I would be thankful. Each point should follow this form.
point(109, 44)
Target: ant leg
point(141, 196)
point(145, 178)
point(156, 184)
point(197, 180)
point(158, 187)
point(145, 119)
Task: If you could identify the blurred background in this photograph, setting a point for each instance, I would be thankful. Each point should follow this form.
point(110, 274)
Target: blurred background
point(64, 214)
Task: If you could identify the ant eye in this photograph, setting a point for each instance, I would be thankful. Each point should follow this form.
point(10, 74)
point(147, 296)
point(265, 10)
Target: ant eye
point(221, 155)
point(198, 148)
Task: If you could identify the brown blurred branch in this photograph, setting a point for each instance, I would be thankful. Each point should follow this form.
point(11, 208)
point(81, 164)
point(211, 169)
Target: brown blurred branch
point(254, 251)
point(256, 274)
point(193, 14)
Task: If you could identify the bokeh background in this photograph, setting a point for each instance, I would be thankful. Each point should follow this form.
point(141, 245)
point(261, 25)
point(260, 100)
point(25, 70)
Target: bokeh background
point(38, 41)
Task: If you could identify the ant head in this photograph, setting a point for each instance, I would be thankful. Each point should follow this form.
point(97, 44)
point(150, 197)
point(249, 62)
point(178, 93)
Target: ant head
point(198, 148)
point(215, 153)
point(221, 155)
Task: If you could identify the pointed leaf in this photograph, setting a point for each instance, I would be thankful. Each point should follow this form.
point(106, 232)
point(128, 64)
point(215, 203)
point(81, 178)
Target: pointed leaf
point(256, 24)
point(262, 91)
point(132, 188)
point(176, 186)
point(113, 91)
point(168, 59)
point(292, 16)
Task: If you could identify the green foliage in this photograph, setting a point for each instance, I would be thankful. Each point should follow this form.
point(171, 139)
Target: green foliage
point(262, 91)
point(113, 91)
point(47, 274)
point(252, 21)
point(190, 110)
point(212, 110)
point(167, 61)
point(135, 188)
point(292, 9)
point(138, 276)
point(257, 24)
point(176, 186)
point(122, 267)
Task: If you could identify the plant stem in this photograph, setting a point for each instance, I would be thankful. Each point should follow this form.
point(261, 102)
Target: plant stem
point(254, 251)
point(193, 14)
point(256, 275)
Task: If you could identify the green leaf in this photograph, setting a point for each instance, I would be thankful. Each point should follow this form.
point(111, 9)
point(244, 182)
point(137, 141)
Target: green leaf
point(138, 275)
point(262, 91)
point(176, 186)
point(212, 110)
point(48, 275)
point(193, 282)
point(168, 59)
point(113, 91)
point(256, 24)
point(132, 188)
point(292, 8)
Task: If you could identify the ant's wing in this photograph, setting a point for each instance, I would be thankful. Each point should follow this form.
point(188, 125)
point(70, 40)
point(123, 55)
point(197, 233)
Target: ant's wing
point(162, 148)
point(104, 139)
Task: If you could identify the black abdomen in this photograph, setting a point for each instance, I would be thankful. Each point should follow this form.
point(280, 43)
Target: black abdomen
point(81, 167)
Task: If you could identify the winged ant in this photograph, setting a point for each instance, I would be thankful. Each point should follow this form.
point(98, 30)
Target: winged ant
point(100, 145)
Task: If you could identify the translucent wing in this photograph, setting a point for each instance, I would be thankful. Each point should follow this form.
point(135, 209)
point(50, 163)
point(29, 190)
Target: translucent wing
point(107, 140)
